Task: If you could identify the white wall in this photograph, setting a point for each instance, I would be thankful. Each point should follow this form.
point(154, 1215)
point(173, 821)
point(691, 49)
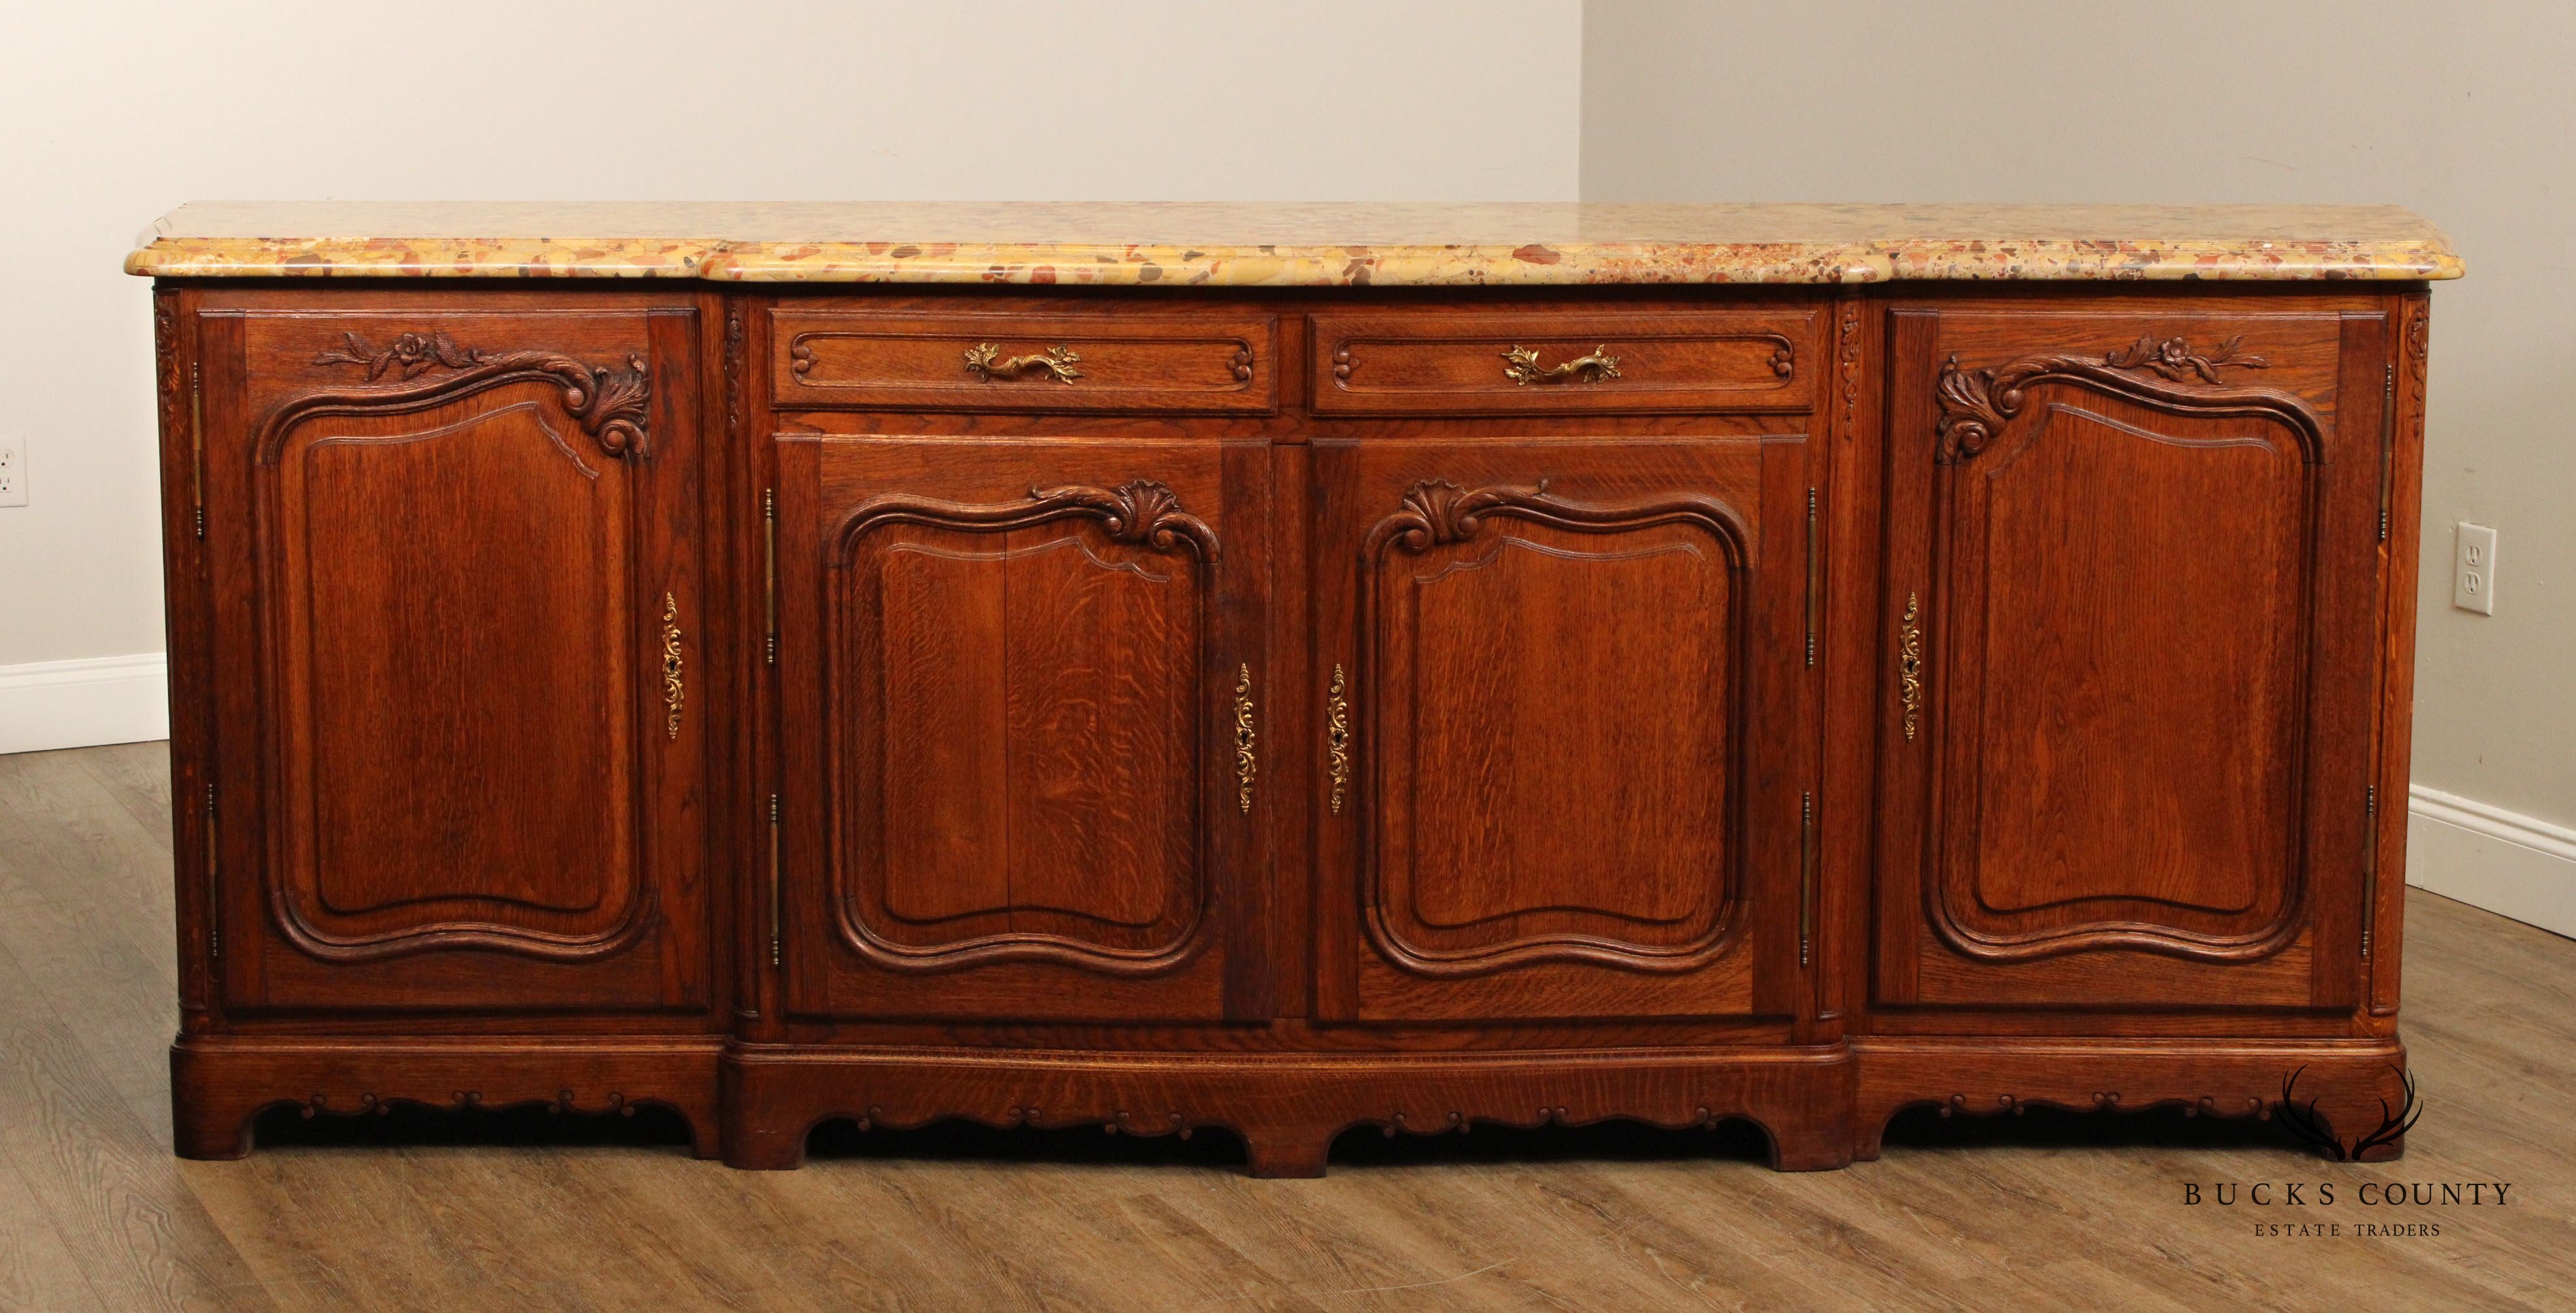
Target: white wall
point(2464, 112)
point(116, 112)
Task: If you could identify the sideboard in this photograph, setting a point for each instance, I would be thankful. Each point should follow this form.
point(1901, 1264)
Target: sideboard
point(1289, 668)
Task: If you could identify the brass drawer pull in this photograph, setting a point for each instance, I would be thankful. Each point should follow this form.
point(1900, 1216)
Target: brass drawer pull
point(1337, 738)
point(1909, 664)
point(673, 692)
point(984, 362)
point(1244, 763)
point(1520, 365)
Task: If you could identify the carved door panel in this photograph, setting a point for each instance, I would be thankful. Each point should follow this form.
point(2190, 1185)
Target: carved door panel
point(1021, 700)
point(2132, 651)
point(460, 553)
point(1565, 692)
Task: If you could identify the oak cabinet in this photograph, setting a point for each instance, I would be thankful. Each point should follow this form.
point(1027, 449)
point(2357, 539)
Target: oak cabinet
point(1016, 679)
point(1285, 708)
point(461, 611)
point(1566, 682)
point(2130, 582)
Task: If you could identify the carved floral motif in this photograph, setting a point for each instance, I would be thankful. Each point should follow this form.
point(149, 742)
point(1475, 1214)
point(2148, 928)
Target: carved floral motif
point(1976, 403)
point(613, 405)
point(413, 353)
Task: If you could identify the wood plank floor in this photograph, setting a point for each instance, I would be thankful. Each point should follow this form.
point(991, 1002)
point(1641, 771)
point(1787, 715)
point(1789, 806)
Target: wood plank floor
point(527, 1211)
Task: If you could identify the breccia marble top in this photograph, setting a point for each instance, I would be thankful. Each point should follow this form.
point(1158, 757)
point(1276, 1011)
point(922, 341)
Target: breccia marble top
point(1291, 244)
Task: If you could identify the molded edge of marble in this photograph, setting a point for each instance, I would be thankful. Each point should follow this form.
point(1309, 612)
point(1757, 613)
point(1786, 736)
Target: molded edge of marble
point(1856, 262)
point(419, 257)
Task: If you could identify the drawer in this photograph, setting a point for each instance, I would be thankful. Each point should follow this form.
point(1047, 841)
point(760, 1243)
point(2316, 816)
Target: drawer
point(1046, 363)
point(1547, 362)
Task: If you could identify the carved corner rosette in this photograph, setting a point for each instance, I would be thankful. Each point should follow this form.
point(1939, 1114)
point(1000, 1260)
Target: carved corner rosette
point(1976, 404)
point(613, 404)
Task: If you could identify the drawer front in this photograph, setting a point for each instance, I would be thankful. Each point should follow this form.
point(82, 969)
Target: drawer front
point(1036, 363)
point(1466, 363)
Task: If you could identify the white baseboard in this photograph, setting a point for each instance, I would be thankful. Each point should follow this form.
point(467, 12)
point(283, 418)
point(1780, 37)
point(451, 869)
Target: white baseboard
point(77, 704)
point(2510, 864)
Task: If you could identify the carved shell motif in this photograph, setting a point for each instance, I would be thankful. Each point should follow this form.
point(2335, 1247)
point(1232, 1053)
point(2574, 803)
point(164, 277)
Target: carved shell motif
point(1437, 511)
point(1137, 511)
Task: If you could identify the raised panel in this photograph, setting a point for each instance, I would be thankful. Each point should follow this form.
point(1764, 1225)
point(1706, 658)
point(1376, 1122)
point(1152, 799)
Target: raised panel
point(1565, 729)
point(453, 696)
point(2128, 594)
point(1555, 727)
point(2134, 592)
point(463, 547)
point(1015, 702)
point(1007, 670)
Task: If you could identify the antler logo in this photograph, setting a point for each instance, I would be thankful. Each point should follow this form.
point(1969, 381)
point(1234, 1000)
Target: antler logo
point(2302, 1122)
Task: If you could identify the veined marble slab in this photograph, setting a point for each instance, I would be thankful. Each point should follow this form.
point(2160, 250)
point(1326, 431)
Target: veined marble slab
point(1292, 244)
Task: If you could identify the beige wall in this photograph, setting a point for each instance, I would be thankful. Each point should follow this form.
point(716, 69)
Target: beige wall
point(119, 111)
point(2464, 112)
point(116, 112)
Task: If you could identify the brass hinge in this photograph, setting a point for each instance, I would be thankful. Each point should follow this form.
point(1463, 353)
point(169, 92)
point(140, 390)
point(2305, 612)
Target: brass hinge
point(2369, 867)
point(1806, 877)
point(2387, 444)
point(777, 908)
point(1815, 577)
point(769, 569)
point(197, 446)
point(214, 889)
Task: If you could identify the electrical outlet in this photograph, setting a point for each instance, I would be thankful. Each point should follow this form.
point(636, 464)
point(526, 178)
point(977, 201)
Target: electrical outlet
point(13, 470)
point(2473, 569)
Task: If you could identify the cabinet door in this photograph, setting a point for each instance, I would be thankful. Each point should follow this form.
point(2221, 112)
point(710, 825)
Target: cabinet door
point(2132, 638)
point(1021, 705)
point(458, 627)
point(1563, 689)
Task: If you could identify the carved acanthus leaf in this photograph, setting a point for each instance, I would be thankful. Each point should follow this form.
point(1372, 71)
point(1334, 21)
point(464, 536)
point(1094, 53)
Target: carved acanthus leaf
point(1976, 403)
point(613, 405)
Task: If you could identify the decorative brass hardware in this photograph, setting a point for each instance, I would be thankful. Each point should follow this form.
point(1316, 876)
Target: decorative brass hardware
point(983, 363)
point(673, 694)
point(1806, 876)
point(1244, 764)
point(1909, 664)
point(1337, 737)
point(777, 905)
point(214, 886)
point(197, 442)
point(769, 572)
point(1520, 365)
point(1815, 578)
